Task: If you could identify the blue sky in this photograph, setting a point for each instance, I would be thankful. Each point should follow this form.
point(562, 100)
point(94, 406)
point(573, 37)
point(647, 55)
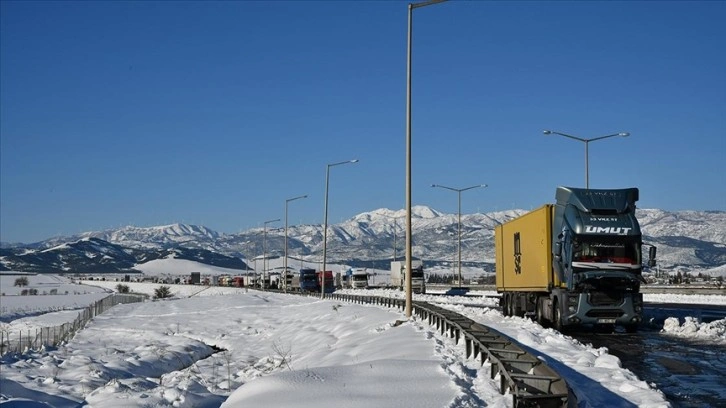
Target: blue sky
point(215, 113)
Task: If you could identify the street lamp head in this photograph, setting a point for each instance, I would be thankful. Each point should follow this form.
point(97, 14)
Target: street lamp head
point(295, 198)
point(547, 132)
point(624, 134)
point(343, 162)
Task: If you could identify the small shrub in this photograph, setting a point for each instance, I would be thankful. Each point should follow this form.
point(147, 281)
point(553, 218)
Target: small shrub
point(21, 281)
point(162, 292)
point(122, 288)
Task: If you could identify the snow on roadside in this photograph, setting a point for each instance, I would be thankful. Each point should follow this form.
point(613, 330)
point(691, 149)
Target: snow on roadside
point(713, 331)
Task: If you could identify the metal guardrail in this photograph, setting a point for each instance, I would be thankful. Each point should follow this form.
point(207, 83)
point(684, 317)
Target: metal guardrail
point(530, 381)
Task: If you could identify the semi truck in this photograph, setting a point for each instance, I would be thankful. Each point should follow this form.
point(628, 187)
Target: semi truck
point(577, 262)
point(308, 280)
point(359, 278)
point(398, 275)
point(329, 282)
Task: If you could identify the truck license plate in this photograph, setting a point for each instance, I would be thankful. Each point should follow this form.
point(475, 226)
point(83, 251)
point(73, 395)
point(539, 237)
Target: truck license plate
point(606, 321)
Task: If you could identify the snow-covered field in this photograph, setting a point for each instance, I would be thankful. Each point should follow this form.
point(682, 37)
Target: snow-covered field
point(54, 293)
point(234, 347)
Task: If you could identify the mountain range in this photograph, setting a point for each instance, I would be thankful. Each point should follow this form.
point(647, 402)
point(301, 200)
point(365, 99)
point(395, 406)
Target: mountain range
point(685, 239)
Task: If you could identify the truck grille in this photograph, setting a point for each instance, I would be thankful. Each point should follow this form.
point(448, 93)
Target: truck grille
point(605, 298)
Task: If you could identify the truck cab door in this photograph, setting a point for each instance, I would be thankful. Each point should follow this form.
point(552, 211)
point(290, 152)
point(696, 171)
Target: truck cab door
point(565, 258)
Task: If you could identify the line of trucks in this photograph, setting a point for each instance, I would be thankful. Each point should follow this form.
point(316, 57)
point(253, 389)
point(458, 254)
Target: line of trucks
point(309, 280)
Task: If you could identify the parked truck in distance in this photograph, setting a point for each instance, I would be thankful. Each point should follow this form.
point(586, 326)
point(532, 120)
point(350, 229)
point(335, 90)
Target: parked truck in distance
point(359, 279)
point(398, 275)
point(354, 278)
point(577, 262)
point(329, 282)
point(308, 280)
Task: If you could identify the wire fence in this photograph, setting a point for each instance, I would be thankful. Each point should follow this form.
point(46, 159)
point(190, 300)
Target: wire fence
point(37, 339)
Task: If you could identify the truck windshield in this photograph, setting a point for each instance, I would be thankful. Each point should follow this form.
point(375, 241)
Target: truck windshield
point(606, 251)
point(417, 273)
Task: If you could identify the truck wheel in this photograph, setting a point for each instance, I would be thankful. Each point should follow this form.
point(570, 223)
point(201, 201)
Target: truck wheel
point(557, 316)
point(517, 309)
point(505, 304)
point(540, 315)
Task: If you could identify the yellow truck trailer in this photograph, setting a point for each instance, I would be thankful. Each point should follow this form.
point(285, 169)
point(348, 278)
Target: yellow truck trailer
point(524, 253)
point(574, 263)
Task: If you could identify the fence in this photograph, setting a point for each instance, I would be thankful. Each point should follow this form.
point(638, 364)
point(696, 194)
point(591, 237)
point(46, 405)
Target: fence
point(54, 335)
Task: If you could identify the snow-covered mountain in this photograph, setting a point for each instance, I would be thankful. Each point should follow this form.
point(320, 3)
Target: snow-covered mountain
point(691, 239)
point(164, 236)
point(94, 255)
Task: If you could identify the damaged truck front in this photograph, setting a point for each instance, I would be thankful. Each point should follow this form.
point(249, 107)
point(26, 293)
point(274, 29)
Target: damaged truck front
point(574, 263)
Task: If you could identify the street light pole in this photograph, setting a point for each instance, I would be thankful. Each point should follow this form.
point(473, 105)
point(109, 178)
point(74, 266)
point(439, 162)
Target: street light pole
point(264, 251)
point(325, 222)
point(395, 227)
point(247, 268)
point(587, 143)
point(285, 261)
point(459, 191)
point(411, 7)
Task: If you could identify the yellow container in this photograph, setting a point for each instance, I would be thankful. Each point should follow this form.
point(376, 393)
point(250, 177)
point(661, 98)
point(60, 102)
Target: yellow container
point(524, 253)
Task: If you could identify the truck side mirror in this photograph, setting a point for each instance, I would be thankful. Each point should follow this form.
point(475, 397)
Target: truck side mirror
point(651, 256)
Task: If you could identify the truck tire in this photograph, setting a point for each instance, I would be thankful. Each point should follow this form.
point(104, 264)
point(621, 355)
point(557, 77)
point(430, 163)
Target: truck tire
point(517, 307)
point(557, 316)
point(507, 306)
point(539, 312)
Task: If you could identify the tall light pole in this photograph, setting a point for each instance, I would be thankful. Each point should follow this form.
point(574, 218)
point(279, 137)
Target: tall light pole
point(459, 191)
point(325, 222)
point(587, 143)
point(254, 281)
point(247, 267)
point(264, 251)
point(395, 227)
point(411, 7)
point(285, 262)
